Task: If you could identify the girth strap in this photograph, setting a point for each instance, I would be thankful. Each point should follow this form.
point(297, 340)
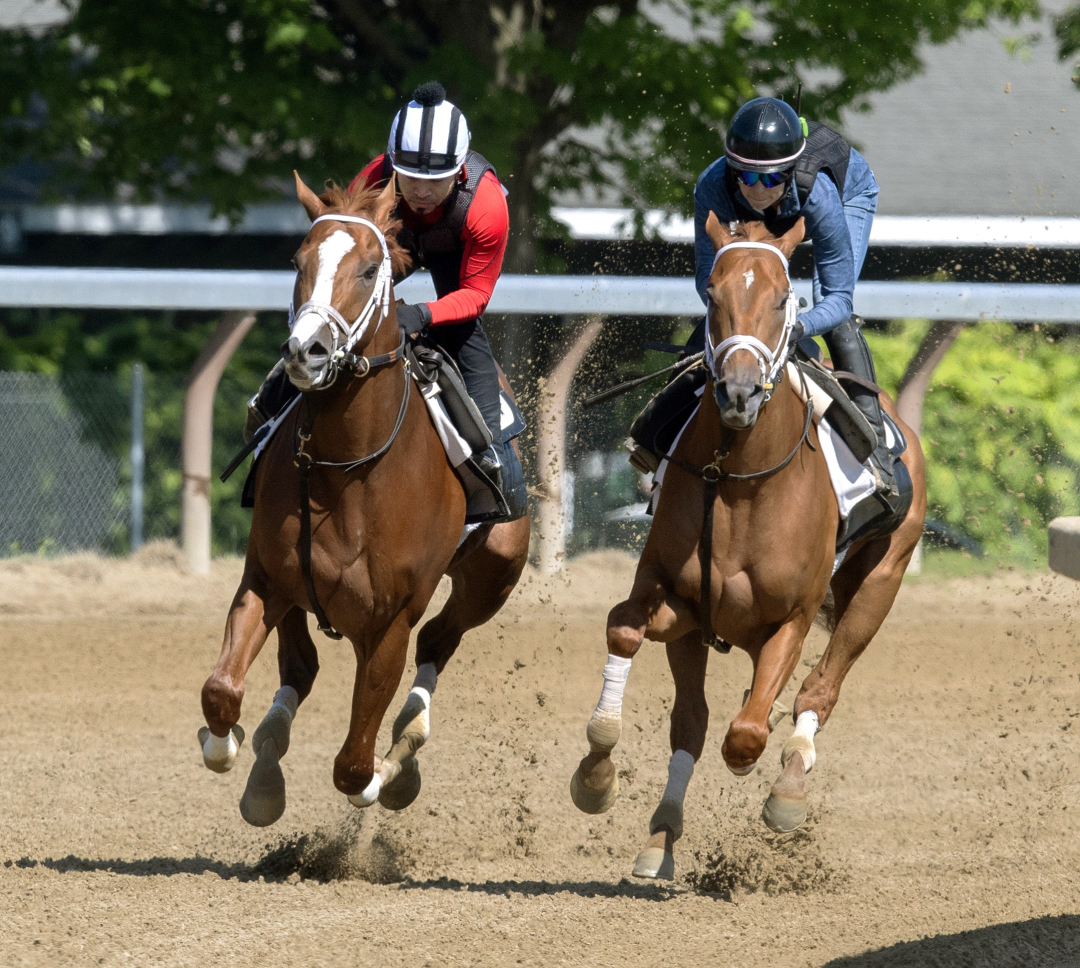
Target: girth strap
point(304, 548)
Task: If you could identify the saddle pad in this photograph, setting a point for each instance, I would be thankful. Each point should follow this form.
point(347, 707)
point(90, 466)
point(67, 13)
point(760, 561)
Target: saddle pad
point(851, 481)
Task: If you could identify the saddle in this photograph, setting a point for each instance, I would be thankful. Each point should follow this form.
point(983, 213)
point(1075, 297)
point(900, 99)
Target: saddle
point(654, 431)
point(460, 427)
point(465, 434)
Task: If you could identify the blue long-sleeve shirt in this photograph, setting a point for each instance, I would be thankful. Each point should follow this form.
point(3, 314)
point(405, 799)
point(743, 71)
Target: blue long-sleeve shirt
point(826, 227)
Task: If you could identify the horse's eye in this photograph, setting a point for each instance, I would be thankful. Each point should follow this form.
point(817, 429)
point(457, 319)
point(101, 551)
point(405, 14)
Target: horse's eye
point(370, 273)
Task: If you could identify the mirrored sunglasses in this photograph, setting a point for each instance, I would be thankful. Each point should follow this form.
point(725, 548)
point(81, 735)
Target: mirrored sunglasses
point(768, 179)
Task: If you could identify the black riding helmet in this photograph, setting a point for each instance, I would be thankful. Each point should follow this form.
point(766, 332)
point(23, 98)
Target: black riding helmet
point(766, 135)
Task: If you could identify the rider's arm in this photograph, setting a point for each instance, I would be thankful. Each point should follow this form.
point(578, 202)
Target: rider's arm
point(833, 257)
point(484, 234)
point(709, 196)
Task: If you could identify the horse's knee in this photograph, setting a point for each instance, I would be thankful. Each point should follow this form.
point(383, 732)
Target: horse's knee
point(625, 630)
point(221, 704)
point(744, 744)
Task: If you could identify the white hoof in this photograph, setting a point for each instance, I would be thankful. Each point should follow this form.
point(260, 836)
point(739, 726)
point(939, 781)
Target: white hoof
point(655, 863)
point(219, 752)
point(742, 770)
point(370, 793)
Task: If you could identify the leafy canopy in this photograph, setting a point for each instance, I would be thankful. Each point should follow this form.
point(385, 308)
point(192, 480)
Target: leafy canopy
point(220, 99)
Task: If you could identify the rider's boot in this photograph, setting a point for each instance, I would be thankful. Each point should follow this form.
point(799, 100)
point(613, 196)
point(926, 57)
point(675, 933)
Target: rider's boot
point(849, 352)
point(276, 391)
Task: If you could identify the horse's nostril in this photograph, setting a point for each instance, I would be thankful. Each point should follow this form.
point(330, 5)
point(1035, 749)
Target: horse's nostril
point(290, 348)
point(317, 349)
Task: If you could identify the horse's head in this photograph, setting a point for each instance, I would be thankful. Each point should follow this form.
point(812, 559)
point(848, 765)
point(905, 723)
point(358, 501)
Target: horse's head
point(751, 311)
point(343, 278)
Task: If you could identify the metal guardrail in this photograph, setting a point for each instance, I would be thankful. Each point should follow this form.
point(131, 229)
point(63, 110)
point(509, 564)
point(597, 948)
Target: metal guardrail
point(556, 295)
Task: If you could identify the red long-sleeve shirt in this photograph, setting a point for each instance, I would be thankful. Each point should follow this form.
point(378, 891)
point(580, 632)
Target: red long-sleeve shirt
point(485, 232)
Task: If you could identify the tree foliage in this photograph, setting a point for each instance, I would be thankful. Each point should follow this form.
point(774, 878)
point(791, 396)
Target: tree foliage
point(1001, 430)
point(220, 99)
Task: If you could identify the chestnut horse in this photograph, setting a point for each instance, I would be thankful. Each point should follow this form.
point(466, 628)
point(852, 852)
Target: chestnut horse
point(383, 532)
point(755, 462)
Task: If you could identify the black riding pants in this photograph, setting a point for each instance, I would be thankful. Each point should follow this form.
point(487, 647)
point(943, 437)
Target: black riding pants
point(468, 345)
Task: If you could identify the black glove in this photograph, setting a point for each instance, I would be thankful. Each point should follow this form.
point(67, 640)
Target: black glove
point(798, 331)
point(414, 319)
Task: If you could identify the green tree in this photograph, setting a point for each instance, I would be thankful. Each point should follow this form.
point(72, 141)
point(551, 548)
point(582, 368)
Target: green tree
point(219, 99)
point(1067, 31)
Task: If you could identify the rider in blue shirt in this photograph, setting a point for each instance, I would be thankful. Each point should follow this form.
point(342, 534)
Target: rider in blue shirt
point(778, 168)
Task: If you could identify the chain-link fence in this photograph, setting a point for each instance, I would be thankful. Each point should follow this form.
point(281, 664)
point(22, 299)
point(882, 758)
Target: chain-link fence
point(65, 461)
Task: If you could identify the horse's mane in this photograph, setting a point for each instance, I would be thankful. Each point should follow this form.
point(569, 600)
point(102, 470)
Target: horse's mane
point(360, 200)
point(752, 232)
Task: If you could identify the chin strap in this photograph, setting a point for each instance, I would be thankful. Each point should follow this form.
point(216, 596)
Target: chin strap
point(769, 361)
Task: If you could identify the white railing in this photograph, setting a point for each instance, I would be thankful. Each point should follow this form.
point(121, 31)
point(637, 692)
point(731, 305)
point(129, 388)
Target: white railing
point(213, 289)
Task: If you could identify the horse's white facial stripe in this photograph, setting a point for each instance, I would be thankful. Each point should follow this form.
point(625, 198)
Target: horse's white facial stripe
point(749, 277)
point(332, 250)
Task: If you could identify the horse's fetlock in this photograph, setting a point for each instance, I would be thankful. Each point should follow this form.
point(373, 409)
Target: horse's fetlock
point(352, 780)
point(744, 744)
point(221, 702)
point(624, 640)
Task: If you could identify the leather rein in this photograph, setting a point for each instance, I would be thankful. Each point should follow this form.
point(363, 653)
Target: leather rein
point(771, 364)
point(359, 366)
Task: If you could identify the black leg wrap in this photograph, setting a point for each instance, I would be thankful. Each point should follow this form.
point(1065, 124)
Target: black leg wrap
point(848, 349)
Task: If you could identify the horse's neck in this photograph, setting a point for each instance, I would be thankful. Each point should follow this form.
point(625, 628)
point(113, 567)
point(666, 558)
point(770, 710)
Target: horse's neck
point(764, 445)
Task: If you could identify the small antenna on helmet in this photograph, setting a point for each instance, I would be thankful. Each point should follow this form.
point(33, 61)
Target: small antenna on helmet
point(798, 99)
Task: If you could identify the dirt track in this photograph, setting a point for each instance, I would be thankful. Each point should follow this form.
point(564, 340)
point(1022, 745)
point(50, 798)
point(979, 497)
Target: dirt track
point(944, 804)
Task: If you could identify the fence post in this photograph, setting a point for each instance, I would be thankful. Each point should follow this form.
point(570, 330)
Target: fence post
point(199, 436)
point(138, 457)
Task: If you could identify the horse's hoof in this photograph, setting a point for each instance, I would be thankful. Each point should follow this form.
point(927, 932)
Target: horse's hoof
point(782, 815)
point(404, 788)
point(366, 797)
point(219, 752)
point(593, 801)
point(742, 770)
point(656, 864)
point(263, 801)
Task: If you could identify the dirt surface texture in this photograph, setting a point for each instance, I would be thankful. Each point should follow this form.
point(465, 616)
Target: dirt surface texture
point(944, 807)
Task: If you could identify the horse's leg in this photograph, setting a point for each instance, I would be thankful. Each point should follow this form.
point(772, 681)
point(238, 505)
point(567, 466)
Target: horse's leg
point(379, 664)
point(687, 659)
point(594, 786)
point(774, 664)
point(863, 590)
point(252, 615)
point(263, 801)
point(483, 575)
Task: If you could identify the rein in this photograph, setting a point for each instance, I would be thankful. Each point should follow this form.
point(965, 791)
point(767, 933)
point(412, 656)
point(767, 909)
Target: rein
point(342, 357)
point(771, 363)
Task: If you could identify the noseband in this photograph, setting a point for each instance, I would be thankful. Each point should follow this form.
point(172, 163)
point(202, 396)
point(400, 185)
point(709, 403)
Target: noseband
point(345, 335)
point(770, 362)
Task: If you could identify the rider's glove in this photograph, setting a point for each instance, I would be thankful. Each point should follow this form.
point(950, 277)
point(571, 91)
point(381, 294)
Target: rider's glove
point(414, 319)
point(798, 331)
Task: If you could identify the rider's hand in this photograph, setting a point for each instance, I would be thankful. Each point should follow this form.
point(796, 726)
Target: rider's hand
point(798, 331)
point(413, 319)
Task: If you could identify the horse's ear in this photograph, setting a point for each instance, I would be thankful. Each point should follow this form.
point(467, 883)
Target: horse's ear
point(791, 238)
point(717, 231)
point(313, 205)
point(386, 201)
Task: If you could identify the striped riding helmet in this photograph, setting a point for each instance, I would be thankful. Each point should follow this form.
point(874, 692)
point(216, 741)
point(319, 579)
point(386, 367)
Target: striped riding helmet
point(766, 135)
point(429, 137)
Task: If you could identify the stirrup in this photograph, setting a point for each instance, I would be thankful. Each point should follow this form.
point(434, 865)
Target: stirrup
point(884, 478)
point(491, 467)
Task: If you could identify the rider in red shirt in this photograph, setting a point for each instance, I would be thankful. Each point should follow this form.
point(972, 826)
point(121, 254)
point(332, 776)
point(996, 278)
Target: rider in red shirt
point(455, 225)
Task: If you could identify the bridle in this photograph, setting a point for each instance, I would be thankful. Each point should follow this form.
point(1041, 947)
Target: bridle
point(345, 335)
point(770, 362)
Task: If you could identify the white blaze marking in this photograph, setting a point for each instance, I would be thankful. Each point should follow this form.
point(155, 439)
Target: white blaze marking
point(331, 251)
point(749, 277)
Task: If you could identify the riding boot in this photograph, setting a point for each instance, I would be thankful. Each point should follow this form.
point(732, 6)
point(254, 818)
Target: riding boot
point(849, 352)
point(276, 391)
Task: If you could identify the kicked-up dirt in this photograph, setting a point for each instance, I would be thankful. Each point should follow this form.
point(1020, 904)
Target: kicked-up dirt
point(944, 821)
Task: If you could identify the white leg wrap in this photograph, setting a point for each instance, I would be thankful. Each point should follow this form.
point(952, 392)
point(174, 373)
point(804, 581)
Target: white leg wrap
point(680, 769)
point(802, 740)
point(606, 722)
point(220, 748)
point(369, 794)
